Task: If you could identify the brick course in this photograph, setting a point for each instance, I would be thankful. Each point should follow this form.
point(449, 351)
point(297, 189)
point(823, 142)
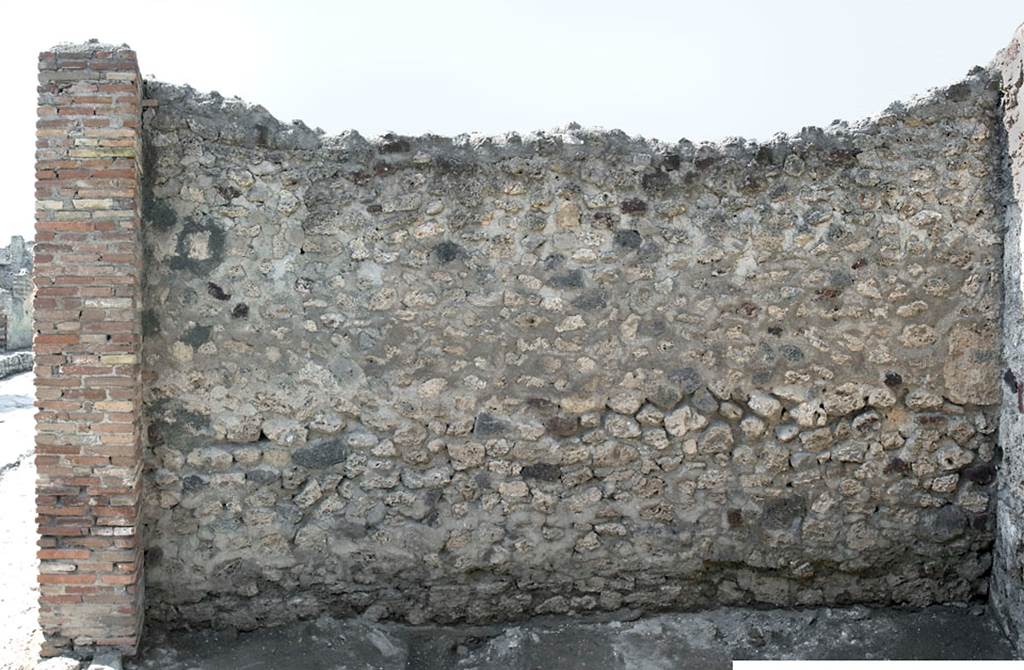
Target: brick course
point(88, 338)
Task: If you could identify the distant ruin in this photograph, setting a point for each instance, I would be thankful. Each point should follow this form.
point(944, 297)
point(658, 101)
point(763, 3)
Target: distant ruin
point(481, 379)
point(16, 294)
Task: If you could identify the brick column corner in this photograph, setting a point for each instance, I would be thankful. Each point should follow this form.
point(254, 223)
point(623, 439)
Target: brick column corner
point(88, 337)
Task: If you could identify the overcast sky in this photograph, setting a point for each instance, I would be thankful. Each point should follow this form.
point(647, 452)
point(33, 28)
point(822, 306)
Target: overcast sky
point(703, 70)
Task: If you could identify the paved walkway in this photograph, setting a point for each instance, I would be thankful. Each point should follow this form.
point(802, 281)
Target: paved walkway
point(19, 634)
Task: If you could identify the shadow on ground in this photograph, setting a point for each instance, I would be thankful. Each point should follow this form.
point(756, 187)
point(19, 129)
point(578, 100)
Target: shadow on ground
point(706, 640)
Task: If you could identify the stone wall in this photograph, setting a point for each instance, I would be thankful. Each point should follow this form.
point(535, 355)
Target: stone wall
point(14, 363)
point(476, 379)
point(1008, 571)
point(16, 293)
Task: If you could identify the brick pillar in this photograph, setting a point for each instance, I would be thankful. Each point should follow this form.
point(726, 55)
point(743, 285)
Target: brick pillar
point(88, 336)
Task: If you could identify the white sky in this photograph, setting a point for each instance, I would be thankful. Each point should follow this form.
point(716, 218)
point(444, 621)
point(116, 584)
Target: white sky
point(699, 69)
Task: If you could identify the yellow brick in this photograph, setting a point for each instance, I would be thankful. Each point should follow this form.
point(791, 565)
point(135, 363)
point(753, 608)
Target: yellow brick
point(105, 152)
point(115, 406)
point(93, 203)
point(119, 359)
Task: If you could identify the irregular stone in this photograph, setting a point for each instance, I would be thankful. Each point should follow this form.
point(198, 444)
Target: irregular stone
point(866, 422)
point(920, 399)
point(650, 416)
point(918, 336)
point(971, 366)
point(262, 475)
point(783, 512)
point(515, 489)
point(684, 420)
point(730, 411)
point(851, 451)
point(210, 458)
point(626, 401)
point(752, 426)
point(717, 439)
point(982, 474)
point(568, 215)
point(764, 405)
point(614, 454)
point(786, 432)
point(943, 524)
point(664, 396)
point(703, 401)
point(284, 431)
point(427, 479)
point(544, 472)
point(106, 661)
point(562, 426)
point(689, 379)
point(792, 392)
point(803, 459)
point(816, 440)
point(844, 399)
point(466, 455)
point(951, 457)
point(743, 456)
point(809, 414)
point(881, 397)
point(309, 494)
point(320, 454)
point(945, 483)
point(247, 455)
point(622, 426)
point(582, 404)
point(360, 439)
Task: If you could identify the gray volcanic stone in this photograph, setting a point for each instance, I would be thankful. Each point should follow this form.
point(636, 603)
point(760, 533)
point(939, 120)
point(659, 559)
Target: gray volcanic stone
point(320, 454)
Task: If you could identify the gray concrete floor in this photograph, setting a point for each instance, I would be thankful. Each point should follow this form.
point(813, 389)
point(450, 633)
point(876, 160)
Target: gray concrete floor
point(705, 641)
